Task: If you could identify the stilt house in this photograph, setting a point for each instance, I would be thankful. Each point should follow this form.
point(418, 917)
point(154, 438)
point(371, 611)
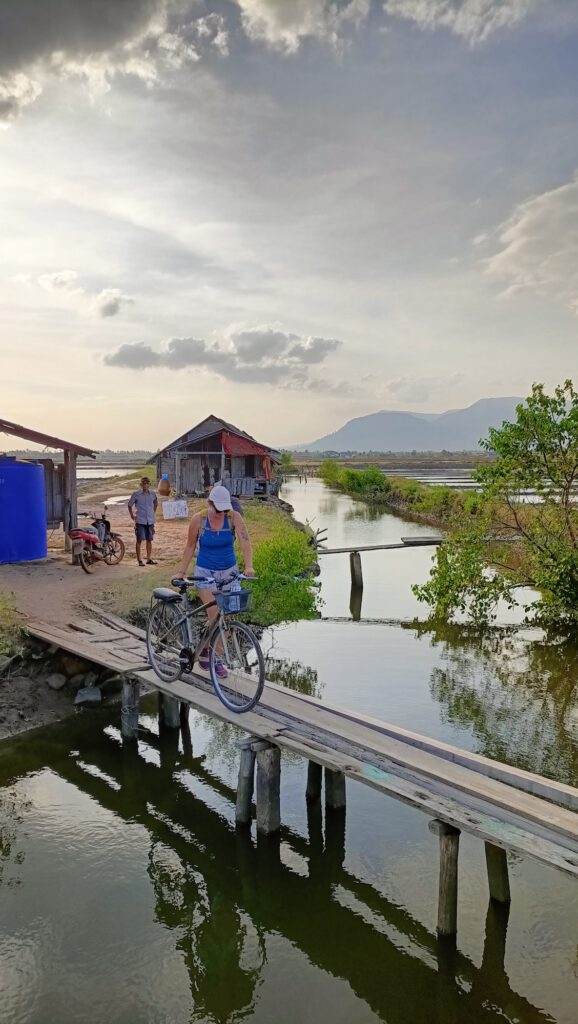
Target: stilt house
point(214, 451)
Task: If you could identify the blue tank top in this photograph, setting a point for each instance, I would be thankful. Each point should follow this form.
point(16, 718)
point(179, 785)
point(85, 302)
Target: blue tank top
point(216, 547)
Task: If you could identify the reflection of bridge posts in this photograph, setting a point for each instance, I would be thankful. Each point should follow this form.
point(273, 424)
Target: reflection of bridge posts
point(277, 900)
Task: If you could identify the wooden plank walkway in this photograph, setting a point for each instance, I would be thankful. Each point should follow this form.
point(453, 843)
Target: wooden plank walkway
point(506, 807)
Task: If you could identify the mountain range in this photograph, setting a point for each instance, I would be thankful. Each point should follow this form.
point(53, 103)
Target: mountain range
point(455, 430)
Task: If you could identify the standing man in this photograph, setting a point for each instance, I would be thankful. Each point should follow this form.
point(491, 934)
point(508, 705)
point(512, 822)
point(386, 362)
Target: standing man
point(142, 507)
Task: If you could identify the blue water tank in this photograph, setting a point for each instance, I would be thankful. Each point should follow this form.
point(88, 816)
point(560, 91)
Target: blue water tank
point(22, 511)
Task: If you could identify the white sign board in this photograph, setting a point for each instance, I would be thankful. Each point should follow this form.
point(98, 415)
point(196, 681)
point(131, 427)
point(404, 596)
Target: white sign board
point(175, 509)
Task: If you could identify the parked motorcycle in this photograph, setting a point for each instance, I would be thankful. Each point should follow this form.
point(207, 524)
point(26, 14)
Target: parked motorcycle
point(96, 543)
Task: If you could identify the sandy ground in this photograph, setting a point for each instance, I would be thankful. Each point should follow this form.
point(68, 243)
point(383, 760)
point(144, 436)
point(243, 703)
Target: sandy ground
point(55, 590)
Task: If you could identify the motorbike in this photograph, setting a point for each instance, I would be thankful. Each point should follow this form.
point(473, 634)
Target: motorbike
point(96, 543)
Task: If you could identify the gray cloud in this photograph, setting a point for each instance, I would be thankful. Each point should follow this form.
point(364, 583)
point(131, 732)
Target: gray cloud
point(255, 355)
point(110, 301)
point(96, 40)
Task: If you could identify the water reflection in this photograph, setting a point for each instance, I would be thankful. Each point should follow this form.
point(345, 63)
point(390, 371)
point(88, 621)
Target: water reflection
point(516, 691)
point(226, 898)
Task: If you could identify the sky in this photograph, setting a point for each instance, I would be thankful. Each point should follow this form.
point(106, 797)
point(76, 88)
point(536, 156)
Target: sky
point(287, 213)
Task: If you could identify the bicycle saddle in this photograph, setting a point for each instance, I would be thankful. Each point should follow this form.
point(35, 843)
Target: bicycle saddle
point(164, 594)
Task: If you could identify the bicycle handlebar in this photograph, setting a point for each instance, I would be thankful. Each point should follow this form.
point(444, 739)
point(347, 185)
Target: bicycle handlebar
point(209, 581)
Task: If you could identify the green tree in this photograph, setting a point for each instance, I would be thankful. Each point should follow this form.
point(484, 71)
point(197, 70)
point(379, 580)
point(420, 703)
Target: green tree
point(507, 541)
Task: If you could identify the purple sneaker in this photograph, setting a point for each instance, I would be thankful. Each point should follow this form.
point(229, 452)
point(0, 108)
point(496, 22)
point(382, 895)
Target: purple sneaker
point(220, 669)
point(204, 660)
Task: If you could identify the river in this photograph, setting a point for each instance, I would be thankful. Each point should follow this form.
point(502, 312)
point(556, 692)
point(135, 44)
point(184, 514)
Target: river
point(127, 896)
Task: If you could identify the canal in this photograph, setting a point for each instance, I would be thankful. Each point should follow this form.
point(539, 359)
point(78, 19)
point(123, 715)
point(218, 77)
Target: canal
point(126, 895)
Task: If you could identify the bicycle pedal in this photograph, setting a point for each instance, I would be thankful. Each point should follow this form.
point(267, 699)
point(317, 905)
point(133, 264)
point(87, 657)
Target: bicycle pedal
point(186, 660)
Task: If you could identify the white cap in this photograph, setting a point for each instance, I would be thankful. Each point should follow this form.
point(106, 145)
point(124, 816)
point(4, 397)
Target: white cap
point(221, 498)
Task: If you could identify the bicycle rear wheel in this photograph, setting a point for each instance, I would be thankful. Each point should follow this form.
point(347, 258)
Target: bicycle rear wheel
point(236, 665)
point(166, 638)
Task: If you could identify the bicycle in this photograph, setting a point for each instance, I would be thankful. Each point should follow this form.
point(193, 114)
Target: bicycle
point(230, 649)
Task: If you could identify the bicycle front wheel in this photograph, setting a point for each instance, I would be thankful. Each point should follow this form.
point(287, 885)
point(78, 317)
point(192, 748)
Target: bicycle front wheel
point(114, 550)
point(236, 665)
point(166, 638)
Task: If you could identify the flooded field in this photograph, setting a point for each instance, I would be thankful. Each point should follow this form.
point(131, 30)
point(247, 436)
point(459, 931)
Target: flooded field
point(127, 895)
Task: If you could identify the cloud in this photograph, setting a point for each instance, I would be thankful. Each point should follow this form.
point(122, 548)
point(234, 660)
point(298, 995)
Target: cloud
point(97, 41)
point(110, 301)
point(539, 246)
point(283, 24)
point(105, 303)
point(473, 20)
point(250, 355)
point(61, 281)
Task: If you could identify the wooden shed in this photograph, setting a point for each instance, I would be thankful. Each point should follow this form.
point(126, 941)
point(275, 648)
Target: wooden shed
point(59, 478)
point(215, 450)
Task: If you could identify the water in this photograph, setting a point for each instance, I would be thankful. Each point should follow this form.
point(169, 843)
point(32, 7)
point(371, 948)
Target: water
point(127, 896)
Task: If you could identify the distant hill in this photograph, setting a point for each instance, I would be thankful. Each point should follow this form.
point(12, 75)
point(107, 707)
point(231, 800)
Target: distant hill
point(454, 431)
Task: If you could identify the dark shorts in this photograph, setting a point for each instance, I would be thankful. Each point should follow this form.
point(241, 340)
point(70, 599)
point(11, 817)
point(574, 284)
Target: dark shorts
point(143, 531)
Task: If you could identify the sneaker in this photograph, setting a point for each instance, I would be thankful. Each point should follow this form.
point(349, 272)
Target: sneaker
point(204, 660)
point(220, 669)
point(141, 562)
point(151, 561)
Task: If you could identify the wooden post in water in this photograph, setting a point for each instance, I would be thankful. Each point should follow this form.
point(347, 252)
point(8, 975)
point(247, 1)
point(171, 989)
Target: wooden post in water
point(245, 782)
point(498, 880)
point(268, 789)
point(355, 600)
point(169, 711)
point(355, 566)
point(129, 709)
point(314, 781)
point(449, 838)
point(334, 790)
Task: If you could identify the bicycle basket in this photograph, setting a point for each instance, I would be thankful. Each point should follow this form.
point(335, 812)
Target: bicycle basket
point(238, 601)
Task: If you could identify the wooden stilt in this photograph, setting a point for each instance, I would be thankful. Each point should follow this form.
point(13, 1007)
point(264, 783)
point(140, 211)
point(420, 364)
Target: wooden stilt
point(268, 789)
point(334, 790)
point(314, 781)
point(355, 566)
point(129, 709)
point(245, 785)
point(355, 601)
point(498, 880)
point(169, 711)
point(449, 838)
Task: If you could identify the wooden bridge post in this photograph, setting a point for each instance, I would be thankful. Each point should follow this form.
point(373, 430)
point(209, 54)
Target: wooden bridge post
point(355, 566)
point(129, 709)
point(498, 880)
point(449, 839)
point(355, 601)
point(314, 781)
point(169, 711)
point(334, 790)
point(268, 789)
point(245, 782)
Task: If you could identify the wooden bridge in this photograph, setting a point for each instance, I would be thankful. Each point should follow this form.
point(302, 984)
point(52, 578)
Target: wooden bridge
point(507, 808)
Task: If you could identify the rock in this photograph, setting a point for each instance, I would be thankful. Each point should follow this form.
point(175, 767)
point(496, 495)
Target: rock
point(72, 665)
point(56, 680)
point(75, 682)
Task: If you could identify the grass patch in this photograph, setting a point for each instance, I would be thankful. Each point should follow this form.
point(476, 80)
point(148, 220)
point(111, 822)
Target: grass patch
point(11, 633)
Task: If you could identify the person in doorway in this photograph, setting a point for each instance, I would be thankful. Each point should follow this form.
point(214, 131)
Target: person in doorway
point(142, 507)
point(215, 533)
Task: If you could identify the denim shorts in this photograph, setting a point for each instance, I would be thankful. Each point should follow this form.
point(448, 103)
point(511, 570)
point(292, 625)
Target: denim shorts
point(144, 531)
point(220, 576)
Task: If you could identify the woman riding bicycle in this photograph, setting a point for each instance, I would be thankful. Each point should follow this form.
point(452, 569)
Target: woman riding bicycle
point(215, 534)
